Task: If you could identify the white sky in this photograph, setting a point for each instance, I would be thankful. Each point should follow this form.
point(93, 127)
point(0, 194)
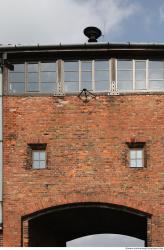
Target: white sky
point(106, 240)
point(55, 21)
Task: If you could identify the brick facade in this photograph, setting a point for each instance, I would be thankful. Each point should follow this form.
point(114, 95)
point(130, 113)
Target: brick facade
point(87, 156)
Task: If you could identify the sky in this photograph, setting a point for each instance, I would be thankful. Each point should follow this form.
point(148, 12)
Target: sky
point(63, 21)
point(106, 240)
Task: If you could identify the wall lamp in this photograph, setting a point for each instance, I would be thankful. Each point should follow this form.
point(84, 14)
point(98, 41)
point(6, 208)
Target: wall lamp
point(4, 62)
point(85, 95)
point(7, 64)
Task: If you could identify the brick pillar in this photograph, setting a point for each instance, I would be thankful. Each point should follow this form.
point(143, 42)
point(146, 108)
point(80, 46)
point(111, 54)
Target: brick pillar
point(25, 238)
point(149, 232)
point(1, 238)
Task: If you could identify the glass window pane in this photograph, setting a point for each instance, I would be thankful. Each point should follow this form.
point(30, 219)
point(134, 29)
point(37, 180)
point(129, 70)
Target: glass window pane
point(101, 75)
point(156, 85)
point(133, 163)
point(48, 87)
point(125, 85)
point(33, 77)
point(140, 85)
point(42, 155)
point(18, 68)
point(124, 75)
point(156, 74)
point(140, 64)
point(101, 65)
point(86, 76)
point(71, 66)
point(48, 66)
point(140, 75)
point(48, 76)
point(102, 86)
point(132, 154)
point(139, 163)
point(71, 76)
point(33, 87)
point(124, 64)
point(86, 85)
point(35, 164)
point(139, 153)
point(155, 64)
point(32, 67)
point(17, 87)
point(16, 77)
point(86, 66)
point(71, 86)
point(35, 155)
point(42, 164)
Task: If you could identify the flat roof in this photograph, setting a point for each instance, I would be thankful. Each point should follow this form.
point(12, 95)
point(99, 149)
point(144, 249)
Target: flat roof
point(98, 45)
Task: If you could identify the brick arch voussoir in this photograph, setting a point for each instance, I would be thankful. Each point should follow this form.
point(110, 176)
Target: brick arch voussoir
point(43, 204)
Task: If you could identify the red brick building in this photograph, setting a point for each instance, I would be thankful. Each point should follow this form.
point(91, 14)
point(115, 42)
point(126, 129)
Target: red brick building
point(83, 142)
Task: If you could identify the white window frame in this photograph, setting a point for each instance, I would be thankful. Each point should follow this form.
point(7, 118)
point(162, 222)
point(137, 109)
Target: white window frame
point(93, 75)
point(133, 75)
point(147, 80)
point(135, 159)
point(39, 151)
point(39, 76)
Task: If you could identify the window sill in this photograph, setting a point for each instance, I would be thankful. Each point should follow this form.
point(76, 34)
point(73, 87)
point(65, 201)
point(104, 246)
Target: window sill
point(95, 93)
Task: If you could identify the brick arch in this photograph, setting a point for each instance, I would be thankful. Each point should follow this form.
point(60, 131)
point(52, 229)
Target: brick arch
point(113, 208)
point(42, 204)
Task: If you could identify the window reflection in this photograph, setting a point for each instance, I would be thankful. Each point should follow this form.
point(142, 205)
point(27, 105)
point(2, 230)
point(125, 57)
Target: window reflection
point(125, 75)
point(71, 66)
point(16, 77)
point(32, 67)
point(48, 87)
point(48, 77)
point(33, 87)
point(71, 76)
point(86, 65)
point(17, 88)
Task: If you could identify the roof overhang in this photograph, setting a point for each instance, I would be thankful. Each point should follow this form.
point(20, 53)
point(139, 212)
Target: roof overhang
point(87, 50)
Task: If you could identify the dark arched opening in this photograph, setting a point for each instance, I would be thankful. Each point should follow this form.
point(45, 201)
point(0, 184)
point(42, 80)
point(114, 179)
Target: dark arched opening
point(55, 226)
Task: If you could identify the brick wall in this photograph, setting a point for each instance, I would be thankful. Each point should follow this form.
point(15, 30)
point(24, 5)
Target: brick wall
point(87, 156)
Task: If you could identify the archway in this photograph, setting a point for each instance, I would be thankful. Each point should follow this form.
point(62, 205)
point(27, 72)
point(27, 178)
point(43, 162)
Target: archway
point(58, 225)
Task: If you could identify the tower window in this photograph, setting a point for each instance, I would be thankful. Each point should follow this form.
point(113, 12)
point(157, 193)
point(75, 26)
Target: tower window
point(136, 158)
point(38, 159)
point(136, 155)
point(37, 156)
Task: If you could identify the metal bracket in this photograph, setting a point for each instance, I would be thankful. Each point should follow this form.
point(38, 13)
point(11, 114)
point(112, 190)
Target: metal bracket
point(60, 90)
point(114, 90)
point(85, 95)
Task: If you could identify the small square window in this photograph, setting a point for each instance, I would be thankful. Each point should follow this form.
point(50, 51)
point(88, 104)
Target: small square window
point(37, 156)
point(38, 159)
point(136, 154)
point(136, 158)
